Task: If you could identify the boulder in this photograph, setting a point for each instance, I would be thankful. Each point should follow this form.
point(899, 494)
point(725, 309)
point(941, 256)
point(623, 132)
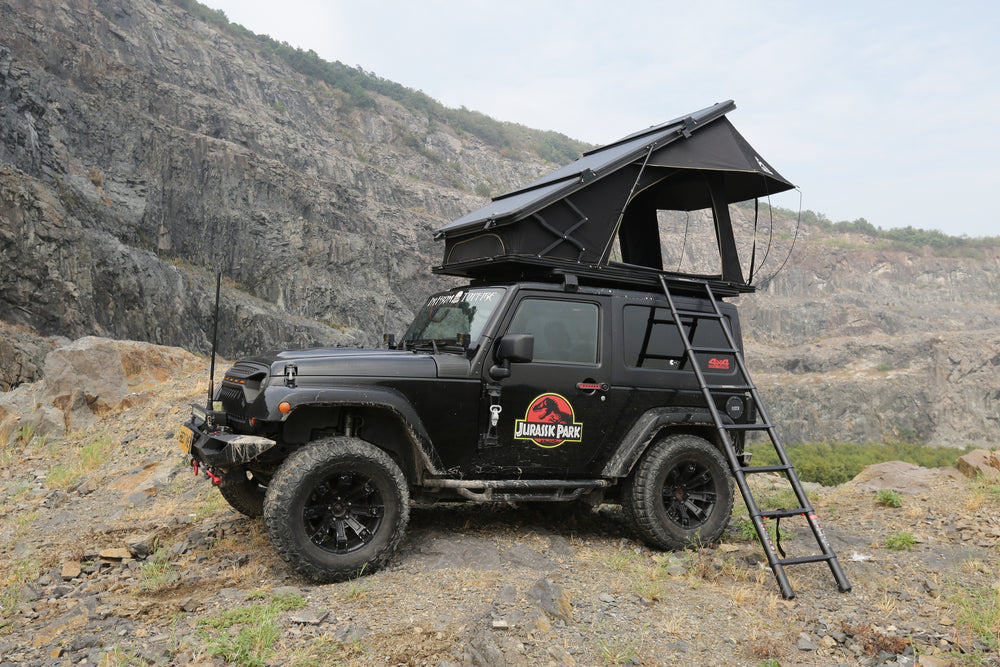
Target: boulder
point(979, 463)
point(900, 476)
point(88, 378)
point(21, 356)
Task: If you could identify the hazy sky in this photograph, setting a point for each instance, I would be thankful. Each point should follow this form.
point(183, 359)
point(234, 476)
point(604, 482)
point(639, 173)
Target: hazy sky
point(888, 111)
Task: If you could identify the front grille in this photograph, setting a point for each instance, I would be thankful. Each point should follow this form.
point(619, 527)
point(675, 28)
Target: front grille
point(242, 371)
point(240, 387)
point(234, 402)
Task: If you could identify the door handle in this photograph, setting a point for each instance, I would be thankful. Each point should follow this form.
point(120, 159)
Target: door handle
point(592, 386)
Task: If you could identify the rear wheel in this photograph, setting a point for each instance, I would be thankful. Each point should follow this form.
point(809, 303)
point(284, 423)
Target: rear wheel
point(680, 494)
point(337, 508)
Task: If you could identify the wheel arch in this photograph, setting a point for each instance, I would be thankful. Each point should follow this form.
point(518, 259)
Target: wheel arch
point(653, 425)
point(380, 416)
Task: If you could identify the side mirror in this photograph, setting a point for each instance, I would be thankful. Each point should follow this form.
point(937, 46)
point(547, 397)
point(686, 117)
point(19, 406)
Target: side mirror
point(512, 349)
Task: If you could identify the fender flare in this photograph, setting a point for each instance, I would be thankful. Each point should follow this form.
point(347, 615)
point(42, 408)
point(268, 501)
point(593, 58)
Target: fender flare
point(365, 396)
point(644, 430)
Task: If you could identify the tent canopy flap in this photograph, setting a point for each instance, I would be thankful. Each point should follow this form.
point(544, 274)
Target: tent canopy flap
point(570, 219)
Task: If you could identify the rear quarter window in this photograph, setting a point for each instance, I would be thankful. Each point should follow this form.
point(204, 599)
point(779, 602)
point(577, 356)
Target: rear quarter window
point(653, 342)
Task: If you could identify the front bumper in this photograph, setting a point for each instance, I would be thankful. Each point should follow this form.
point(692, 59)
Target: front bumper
point(218, 449)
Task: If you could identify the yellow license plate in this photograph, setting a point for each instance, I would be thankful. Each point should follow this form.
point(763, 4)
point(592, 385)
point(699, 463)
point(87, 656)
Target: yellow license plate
point(184, 439)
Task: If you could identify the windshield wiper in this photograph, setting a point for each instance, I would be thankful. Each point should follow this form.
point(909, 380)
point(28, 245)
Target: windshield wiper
point(437, 346)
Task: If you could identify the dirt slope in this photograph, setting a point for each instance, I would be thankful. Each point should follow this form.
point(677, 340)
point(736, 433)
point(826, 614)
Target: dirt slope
point(113, 553)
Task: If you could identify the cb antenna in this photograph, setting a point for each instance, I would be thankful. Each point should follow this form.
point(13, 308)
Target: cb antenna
point(215, 338)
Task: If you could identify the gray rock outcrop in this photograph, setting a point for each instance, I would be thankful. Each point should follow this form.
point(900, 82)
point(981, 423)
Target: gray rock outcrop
point(141, 150)
point(88, 378)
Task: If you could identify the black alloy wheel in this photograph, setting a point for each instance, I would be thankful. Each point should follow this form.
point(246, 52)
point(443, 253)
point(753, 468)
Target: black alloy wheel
point(343, 513)
point(689, 495)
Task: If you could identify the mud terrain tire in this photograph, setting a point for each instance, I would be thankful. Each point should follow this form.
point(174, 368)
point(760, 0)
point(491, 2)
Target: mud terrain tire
point(336, 509)
point(680, 494)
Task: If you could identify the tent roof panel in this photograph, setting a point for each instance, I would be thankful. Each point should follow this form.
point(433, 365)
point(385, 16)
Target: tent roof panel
point(598, 162)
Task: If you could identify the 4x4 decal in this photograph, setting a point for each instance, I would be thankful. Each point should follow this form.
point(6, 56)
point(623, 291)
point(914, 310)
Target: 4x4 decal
point(549, 422)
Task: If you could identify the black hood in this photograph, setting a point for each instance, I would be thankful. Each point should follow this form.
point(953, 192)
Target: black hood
point(348, 362)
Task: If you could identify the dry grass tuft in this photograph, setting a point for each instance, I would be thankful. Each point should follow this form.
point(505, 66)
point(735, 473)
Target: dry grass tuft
point(873, 641)
point(741, 595)
point(768, 647)
point(887, 604)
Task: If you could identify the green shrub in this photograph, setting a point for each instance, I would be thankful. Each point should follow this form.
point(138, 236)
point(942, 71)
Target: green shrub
point(889, 498)
point(247, 635)
point(749, 532)
point(978, 609)
point(907, 238)
point(830, 463)
point(900, 541)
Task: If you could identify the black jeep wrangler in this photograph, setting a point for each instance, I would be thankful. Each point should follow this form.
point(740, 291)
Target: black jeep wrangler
point(560, 371)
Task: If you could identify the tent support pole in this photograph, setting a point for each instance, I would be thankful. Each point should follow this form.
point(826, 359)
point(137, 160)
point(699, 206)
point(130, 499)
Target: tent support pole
point(731, 270)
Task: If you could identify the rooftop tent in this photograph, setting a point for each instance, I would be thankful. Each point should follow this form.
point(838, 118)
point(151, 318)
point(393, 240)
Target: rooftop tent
point(569, 220)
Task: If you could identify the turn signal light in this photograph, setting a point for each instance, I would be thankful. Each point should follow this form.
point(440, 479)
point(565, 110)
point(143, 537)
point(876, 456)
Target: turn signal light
point(284, 407)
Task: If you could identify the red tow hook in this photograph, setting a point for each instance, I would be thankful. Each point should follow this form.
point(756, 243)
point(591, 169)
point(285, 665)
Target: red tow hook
point(216, 480)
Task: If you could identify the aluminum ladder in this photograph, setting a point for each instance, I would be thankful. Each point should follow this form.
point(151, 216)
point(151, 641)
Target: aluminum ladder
point(762, 423)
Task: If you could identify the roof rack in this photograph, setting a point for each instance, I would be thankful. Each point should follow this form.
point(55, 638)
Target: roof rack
point(615, 274)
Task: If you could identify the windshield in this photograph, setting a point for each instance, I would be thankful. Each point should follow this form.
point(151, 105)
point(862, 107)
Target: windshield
point(446, 316)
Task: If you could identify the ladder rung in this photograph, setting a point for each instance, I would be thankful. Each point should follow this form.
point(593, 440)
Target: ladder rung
point(783, 512)
point(747, 427)
point(755, 469)
point(731, 387)
point(698, 313)
point(806, 559)
point(714, 350)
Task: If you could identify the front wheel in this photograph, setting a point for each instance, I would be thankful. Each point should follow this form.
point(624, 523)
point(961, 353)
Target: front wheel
point(680, 494)
point(337, 508)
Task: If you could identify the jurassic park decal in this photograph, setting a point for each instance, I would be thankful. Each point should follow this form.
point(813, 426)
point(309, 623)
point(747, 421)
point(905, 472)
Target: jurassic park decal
point(548, 422)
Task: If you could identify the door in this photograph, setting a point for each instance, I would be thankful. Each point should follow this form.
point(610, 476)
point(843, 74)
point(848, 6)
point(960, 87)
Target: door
point(555, 411)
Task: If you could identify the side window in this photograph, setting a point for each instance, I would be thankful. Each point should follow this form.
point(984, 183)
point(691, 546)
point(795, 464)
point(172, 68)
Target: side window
point(652, 340)
point(565, 331)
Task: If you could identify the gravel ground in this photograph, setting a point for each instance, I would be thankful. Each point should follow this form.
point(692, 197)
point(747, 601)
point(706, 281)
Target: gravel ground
point(133, 561)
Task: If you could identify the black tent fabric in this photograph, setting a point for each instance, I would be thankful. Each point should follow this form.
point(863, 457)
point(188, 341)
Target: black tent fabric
point(570, 219)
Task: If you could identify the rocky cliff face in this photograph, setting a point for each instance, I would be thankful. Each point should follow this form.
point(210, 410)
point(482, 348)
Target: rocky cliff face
point(852, 339)
point(141, 151)
point(857, 344)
